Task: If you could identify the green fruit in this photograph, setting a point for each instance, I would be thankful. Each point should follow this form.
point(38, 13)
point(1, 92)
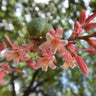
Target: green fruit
point(46, 29)
point(36, 26)
point(46, 20)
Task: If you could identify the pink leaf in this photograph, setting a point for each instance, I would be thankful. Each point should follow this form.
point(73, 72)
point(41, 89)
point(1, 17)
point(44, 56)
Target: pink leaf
point(91, 17)
point(89, 26)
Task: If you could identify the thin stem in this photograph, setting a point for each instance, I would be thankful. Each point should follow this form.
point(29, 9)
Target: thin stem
point(83, 37)
point(9, 41)
point(2, 60)
point(13, 86)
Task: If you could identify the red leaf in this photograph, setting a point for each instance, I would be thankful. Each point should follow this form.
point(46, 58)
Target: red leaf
point(89, 26)
point(91, 17)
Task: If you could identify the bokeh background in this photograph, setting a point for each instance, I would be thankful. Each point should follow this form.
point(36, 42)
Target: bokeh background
point(14, 17)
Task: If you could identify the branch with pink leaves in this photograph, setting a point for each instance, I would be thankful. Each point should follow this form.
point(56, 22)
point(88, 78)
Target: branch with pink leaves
point(49, 48)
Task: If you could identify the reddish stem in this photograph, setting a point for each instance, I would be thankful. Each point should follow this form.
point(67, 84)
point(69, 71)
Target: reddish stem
point(16, 70)
point(83, 37)
point(9, 41)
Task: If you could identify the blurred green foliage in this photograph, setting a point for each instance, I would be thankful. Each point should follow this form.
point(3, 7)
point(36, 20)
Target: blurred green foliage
point(14, 17)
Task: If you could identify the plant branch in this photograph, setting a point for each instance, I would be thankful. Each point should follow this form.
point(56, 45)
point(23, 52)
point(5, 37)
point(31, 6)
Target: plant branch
point(2, 60)
point(13, 86)
point(41, 91)
point(40, 83)
point(27, 91)
point(83, 37)
point(34, 88)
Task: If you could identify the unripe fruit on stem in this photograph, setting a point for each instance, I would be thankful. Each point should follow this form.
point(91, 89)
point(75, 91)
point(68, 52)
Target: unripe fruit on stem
point(46, 29)
point(38, 27)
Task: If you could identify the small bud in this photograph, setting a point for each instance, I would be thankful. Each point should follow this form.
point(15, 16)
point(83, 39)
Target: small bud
point(52, 32)
point(2, 46)
point(2, 74)
point(82, 17)
point(82, 65)
point(31, 64)
point(76, 25)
